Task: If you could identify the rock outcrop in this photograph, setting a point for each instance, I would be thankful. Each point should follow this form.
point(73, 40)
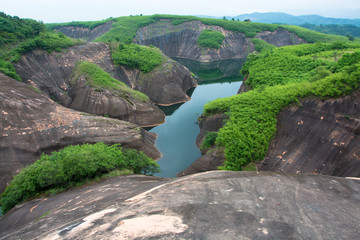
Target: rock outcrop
point(31, 124)
point(167, 84)
point(86, 33)
point(181, 41)
point(212, 205)
point(319, 137)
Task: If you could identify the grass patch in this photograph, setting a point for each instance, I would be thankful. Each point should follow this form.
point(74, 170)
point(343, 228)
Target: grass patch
point(72, 166)
point(136, 56)
point(210, 39)
point(96, 77)
point(261, 45)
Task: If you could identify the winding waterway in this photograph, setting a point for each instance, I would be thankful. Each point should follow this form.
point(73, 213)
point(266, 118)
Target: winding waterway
point(177, 136)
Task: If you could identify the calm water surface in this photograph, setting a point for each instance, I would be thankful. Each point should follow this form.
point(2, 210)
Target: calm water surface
point(176, 137)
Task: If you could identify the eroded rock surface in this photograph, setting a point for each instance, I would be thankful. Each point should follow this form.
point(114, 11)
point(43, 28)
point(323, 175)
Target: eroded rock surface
point(211, 205)
point(167, 84)
point(31, 123)
point(86, 33)
point(181, 41)
point(320, 137)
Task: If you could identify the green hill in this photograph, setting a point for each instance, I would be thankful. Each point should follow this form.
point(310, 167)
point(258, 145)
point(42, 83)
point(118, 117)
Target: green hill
point(279, 77)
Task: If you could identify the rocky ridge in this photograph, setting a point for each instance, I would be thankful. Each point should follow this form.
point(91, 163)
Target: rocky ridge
point(180, 41)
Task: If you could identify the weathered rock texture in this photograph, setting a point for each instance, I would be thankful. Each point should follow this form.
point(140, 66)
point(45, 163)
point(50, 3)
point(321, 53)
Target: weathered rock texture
point(320, 137)
point(31, 123)
point(212, 205)
point(86, 33)
point(180, 41)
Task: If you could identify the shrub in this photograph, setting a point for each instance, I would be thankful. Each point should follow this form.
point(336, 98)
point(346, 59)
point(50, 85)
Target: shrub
point(69, 167)
point(210, 39)
point(208, 141)
point(136, 56)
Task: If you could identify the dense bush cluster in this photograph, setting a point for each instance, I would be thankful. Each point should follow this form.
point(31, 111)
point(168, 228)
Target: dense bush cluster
point(252, 115)
point(70, 166)
point(136, 56)
point(96, 77)
point(210, 39)
point(13, 29)
point(293, 63)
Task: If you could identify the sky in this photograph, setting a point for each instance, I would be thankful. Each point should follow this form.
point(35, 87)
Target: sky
point(50, 11)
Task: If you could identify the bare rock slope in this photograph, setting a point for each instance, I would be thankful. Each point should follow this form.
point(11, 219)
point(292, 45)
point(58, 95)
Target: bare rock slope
point(31, 123)
point(320, 137)
point(211, 205)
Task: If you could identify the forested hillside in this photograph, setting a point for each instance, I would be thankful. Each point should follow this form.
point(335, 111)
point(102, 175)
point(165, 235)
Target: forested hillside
point(19, 36)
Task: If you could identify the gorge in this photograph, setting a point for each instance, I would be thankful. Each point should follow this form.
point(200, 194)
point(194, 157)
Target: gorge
point(306, 125)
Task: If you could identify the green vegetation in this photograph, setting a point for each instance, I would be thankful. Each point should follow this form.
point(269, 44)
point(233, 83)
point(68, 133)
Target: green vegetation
point(136, 56)
point(83, 24)
point(19, 36)
point(96, 77)
point(312, 36)
point(71, 166)
point(209, 141)
point(337, 29)
point(280, 77)
point(210, 39)
point(261, 45)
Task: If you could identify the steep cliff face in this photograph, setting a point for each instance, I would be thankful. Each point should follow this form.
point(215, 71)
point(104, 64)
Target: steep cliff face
point(86, 33)
point(320, 137)
point(167, 84)
point(31, 123)
point(212, 205)
point(51, 73)
point(180, 41)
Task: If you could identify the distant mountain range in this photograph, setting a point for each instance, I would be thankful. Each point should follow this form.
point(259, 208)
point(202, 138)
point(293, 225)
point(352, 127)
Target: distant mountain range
point(284, 18)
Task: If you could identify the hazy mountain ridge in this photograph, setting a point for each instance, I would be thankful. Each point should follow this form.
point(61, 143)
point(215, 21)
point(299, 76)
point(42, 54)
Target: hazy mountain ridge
point(278, 17)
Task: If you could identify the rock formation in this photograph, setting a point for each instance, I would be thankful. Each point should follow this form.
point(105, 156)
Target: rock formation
point(86, 33)
point(31, 123)
point(180, 41)
point(51, 73)
point(211, 205)
point(319, 137)
point(167, 84)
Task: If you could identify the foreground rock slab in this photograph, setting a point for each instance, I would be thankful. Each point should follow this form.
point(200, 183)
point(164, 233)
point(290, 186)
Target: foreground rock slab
point(211, 205)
